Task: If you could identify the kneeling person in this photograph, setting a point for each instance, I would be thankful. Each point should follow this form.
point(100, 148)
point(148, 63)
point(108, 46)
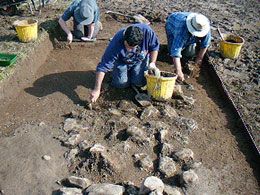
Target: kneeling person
point(131, 52)
point(184, 30)
point(85, 15)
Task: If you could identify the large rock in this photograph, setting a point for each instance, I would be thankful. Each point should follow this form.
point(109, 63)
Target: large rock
point(70, 191)
point(163, 135)
point(73, 140)
point(177, 90)
point(105, 189)
point(167, 149)
point(137, 133)
point(115, 112)
point(70, 124)
point(151, 184)
point(97, 148)
point(189, 178)
point(100, 159)
point(149, 112)
point(167, 166)
point(144, 161)
point(187, 124)
point(129, 121)
point(169, 190)
point(78, 182)
point(184, 154)
point(169, 111)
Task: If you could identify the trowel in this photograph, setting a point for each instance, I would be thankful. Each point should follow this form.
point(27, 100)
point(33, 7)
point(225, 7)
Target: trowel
point(143, 99)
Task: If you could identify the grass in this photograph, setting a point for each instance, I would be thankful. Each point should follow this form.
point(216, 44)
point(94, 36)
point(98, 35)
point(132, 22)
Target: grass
point(10, 43)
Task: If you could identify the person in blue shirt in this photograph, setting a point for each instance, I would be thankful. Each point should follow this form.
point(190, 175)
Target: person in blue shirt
point(85, 15)
point(184, 30)
point(131, 52)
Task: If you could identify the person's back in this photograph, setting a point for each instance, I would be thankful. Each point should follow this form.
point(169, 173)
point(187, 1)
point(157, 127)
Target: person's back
point(86, 17)
point(184, 30)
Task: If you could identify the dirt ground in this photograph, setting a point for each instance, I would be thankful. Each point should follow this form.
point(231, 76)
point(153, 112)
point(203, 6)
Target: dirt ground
point(32, 124)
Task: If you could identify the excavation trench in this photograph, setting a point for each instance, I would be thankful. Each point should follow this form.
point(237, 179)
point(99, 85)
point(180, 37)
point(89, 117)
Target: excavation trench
point(59, 82)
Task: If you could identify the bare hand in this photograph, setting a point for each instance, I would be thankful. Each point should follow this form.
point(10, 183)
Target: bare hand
point(69, 38)
point(180, 76)
point(94, 95)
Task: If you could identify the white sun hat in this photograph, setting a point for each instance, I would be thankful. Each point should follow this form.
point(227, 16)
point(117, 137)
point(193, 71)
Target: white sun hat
point(198, 24)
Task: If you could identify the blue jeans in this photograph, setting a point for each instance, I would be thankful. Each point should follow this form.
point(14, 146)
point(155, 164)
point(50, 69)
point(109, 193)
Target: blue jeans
point(82, 30)
point(125, 75)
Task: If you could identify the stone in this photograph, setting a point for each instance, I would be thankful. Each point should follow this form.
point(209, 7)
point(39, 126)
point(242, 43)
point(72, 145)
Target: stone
point(167, 149)
point(105, 189)
point(102, 159)
point(78, 182)
point(188, 100)
point(71, 154)
point(149, 112)
point(46, 157)
point(184, 154)
point(97, 148)
point(73, 140)
point(129, 121)
point(115, 112)
point(137, 133)
point(169, 111)
point(144, 161)
point(151, 184)
point(127, 106)
point(192, 165)
point(70, 191)
point(70, 124)
point(187, 124)
point(42, 124)
point(189, 178)
point(177, 90)
point(162, 135)
point(84, 145)
point(155, 193)
point(190, 87)
point(169, 190)
point(167, 166)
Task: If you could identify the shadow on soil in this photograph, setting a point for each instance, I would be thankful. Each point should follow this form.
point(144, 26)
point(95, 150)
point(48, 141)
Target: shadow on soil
point(245, 145)
point(9, 38)
point(65, 82)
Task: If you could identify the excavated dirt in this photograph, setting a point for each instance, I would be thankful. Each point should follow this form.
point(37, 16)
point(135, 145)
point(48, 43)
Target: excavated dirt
point(32, 119)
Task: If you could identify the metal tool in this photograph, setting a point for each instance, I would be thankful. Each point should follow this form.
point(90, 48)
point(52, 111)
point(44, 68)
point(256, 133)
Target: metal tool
point(142, 98)
point(220, 34)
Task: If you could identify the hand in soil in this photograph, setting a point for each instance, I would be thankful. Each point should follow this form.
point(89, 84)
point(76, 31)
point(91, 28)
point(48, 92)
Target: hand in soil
point(194, 70)
point(94, 95)
point(180, 76)
point(69, 38)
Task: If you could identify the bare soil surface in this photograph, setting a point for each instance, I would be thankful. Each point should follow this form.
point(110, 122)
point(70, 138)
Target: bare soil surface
point(32, 123)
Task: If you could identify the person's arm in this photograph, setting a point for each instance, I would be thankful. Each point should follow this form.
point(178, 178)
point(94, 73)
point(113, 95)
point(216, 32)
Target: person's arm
point(205, 43)
point(200, 56)
point(96, 91)
point(66, 29)
point(177, 63)
point(91, 28)
point(153, 55)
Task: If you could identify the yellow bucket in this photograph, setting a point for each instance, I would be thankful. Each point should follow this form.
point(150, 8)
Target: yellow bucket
point(27, 30)
point(161, 88)
point(231, 45)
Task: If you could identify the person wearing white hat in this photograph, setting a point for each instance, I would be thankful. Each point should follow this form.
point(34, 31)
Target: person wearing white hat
point(85, 15)
point(184, 30)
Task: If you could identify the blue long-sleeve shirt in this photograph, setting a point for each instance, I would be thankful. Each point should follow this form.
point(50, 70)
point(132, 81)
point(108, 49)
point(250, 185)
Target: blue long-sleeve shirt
point(116, 52)
point(179, 36)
